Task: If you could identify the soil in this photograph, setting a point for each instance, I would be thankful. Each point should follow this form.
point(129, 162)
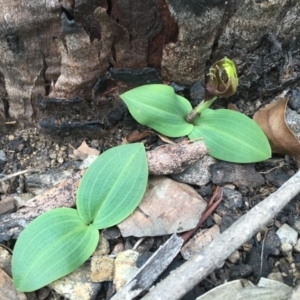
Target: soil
point(31, 148)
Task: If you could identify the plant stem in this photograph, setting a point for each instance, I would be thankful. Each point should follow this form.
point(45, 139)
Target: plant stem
point(199, 109)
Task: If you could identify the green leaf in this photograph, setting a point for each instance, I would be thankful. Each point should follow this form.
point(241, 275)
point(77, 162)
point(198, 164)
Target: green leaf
point(113, 186)
point(51, 246)
point(157, 106)
point(231, 136)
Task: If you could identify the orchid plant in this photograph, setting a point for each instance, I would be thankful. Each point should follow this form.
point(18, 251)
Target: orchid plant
point(229, 135)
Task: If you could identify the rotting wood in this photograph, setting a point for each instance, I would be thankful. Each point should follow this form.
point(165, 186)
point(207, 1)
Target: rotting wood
point(183, 279)
point(181, 156)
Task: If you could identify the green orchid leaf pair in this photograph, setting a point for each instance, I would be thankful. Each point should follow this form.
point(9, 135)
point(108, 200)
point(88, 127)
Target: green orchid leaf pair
point(229, 135)
point(59, 241)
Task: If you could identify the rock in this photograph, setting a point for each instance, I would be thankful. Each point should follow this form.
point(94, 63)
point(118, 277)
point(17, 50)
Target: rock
point(276, 276)
point(77, 285)
point(87, 161)
point(8, 290)
point(287, 234)
point(102, 247)
point(102, 268)
point(199, 241)
point(7, 205)
point(297, 246)
point(224, 172)
point(287, 249)
point(277, 177)
point(234, 257)
point(167, 207)
point(125, 267)
point(198, 173)
point(3, 157)
point(197, 93)
point(240, 271)
point(233, 199)
point(296, 224)
point(111, 233)
point(5, 261)
point(296, 293)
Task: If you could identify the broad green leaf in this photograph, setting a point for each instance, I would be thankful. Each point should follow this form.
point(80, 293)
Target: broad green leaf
point(231, 136)
point(157, 106)
point(51, 246)
point(113, 186)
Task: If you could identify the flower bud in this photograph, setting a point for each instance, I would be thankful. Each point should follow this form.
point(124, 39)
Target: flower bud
point(223, 80)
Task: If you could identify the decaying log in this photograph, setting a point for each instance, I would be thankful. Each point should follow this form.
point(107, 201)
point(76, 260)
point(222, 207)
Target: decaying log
point(176, 157)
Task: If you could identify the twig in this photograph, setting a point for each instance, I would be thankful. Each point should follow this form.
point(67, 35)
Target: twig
point(10, 176)
point(212, 205)
point(183, 279)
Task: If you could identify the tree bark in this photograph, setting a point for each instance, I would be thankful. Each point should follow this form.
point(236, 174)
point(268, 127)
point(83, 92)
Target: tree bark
point(64, 63)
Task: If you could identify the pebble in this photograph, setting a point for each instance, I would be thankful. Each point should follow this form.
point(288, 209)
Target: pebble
point(287, 234)
point(297, 246)
point(240, 271)
point(198, 174)
point(296, 224)
point(3, 157)
point(223, 173)
point(276, 276)
point(234, 257)
point(102, 268)
point(111, 233)
point(77, 285)
point(125, 267)
point(5, 261)
point(234, 199)
point(287, 249)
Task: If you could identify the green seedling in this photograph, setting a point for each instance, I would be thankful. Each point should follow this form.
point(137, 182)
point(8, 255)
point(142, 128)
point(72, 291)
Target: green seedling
point(229, 135)
point(59, 241)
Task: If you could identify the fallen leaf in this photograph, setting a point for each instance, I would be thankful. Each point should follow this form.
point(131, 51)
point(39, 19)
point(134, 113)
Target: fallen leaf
point(136, 135)
point(271, 119)
point(165, 139)
point(83, 151)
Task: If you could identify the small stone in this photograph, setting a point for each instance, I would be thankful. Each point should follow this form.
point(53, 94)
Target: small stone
point(198, 173)
point(286, 249)
point(296, 293)
point(234, 257)
point(240, 271)
point(102, 268)
point(276, 276)
point(118, 249)
point(223, 173)
point(5, 261)
point(102, 247)
point(296, 224)
point(3, 157)
point(111, 233)
point(297, 246)
point(287, 234)
point(217, 219)
point(233, 198)
point(125, 267)
point(77, 285)
point(11, 137)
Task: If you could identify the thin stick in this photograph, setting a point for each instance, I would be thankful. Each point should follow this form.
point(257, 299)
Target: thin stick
point(10, 176)
point(183, 279)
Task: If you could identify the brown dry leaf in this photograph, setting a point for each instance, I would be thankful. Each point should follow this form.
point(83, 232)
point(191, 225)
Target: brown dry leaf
point(83, 151)
point(271, 119)
point(137, 136)
point(7, 289)
point(165, 139)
